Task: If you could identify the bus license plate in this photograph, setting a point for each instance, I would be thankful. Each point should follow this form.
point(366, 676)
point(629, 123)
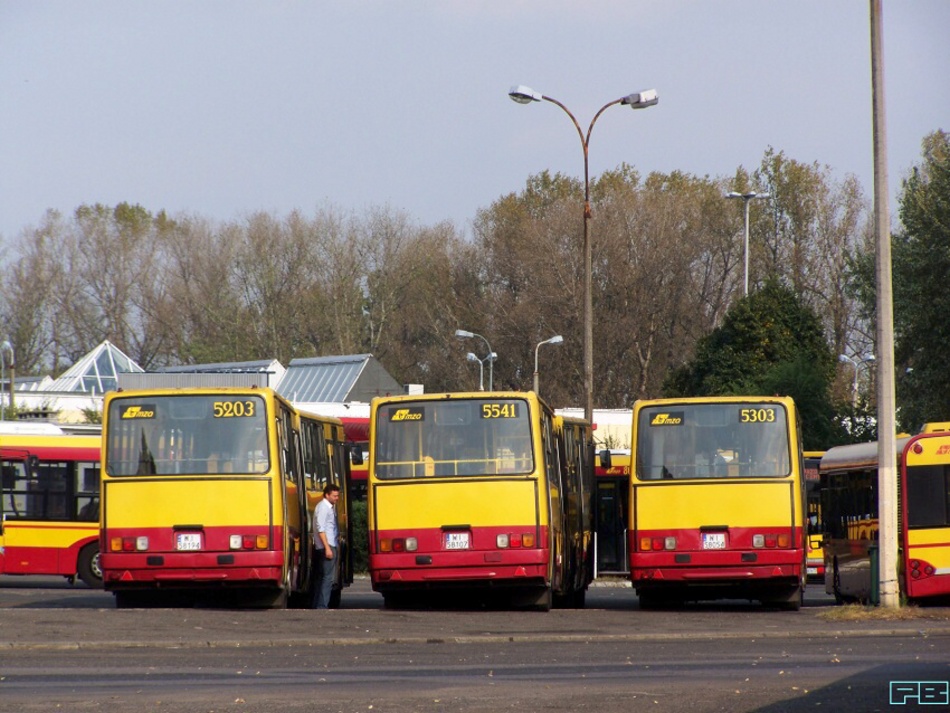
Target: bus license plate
point(714, 541)
point(188, 541)
point(456, 540)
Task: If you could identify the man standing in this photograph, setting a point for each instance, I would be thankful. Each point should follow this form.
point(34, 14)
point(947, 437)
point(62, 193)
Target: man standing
point(325, 545)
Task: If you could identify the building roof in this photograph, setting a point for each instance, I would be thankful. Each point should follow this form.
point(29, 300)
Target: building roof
point(96, 372)
point(356, 377)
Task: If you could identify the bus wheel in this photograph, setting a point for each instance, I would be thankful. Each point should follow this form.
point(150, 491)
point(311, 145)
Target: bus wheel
point(335, 596)
point(87, 565)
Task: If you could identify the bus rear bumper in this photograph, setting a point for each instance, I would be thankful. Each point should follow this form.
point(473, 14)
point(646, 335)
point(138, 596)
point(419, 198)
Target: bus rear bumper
point(399, 572)
point(178, 570)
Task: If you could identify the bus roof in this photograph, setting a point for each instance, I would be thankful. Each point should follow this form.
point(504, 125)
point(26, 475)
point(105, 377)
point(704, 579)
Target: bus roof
point(855, 456)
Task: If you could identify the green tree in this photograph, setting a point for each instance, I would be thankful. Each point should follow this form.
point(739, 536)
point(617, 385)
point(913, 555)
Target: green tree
point(921, 263)
point(769, 343)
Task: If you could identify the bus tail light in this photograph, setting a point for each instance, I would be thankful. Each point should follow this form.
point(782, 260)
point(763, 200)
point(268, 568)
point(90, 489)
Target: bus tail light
point(505, 540)
point(129, 544)
point(920, 569)
point(398, 544)
point(657, 544)
point(247, 542)
point(771, 541)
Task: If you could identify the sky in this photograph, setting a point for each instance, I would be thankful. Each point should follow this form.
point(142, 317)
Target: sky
point(222, 108)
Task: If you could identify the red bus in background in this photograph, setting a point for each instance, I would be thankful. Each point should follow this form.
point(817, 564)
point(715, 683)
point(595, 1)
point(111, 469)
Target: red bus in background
point(49, 505)
point(612, 491)
point(356, 432)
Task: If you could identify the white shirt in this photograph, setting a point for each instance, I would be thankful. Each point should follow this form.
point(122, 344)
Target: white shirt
point(324, 520)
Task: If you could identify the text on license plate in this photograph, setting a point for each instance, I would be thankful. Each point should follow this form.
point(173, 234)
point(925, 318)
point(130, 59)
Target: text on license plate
point(714, 540)
point(456, 540)
point(188, 541)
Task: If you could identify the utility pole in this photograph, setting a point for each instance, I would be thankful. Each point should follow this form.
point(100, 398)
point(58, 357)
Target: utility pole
point(886, 401)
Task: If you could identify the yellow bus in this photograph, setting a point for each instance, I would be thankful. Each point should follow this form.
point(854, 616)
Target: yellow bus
point(208, 495)
point(849, 502)
point(49, 505)
point(479, 493)
point(717, 501)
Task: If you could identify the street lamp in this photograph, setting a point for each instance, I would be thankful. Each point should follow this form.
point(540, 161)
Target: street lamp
point(553, 340)
point(855, 363)
point(464, 334)
point(5, 349)
point(481, 370)
point(525, 95)
point(746, 197)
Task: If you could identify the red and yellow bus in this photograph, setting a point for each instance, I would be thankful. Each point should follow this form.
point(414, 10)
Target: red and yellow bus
point(208, 493)
point(611, 507)
point(479, 493)
point(849, 503)
point(49, 506)
point(815, 558)
point(717, 501)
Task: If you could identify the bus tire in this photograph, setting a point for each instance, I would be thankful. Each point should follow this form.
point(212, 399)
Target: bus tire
point(87, 566)
point(335, 596)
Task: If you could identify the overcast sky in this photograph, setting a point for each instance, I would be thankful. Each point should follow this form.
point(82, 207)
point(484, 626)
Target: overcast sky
point(225, 107)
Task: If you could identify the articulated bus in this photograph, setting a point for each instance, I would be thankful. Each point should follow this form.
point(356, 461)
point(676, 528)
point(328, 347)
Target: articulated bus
point(208, 495)
point(488, 494)
point(717, 501)
point(849, 503)
point(49, 505)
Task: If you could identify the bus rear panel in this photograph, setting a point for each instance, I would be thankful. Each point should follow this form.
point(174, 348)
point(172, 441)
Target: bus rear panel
point(478, 493)
point(716, 504)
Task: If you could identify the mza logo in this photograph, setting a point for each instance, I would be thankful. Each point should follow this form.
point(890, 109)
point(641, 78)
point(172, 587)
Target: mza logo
point(920, 693)
point(406, 414)
point(139, 412)
point(667, 419)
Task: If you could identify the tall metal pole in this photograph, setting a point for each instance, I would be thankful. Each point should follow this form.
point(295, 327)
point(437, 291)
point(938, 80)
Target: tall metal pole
point(886, 400)
point(745, 211)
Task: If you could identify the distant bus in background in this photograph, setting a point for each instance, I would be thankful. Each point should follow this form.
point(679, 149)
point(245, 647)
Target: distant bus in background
point(849, 506)
point(815, 560)
point(49, 502)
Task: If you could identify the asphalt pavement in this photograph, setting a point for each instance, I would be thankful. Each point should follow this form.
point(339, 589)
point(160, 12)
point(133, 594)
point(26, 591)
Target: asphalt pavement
point(50, 620)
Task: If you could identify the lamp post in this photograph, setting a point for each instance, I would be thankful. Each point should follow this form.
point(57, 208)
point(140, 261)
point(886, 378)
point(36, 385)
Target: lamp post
point(553, 340)
point(481, 370)
point(464, 334)
point(5, 349)
point(856, 363)
point(746, 197)
point(525, 95)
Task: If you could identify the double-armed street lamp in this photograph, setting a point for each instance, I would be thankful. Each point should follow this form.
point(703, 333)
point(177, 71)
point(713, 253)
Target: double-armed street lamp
point(746, 197)
point(490, 358)
point(557, 339)
point(641, 100)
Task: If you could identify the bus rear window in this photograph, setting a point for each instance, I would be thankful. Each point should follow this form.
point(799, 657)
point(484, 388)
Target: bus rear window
point(453, 438)
point(713, 440)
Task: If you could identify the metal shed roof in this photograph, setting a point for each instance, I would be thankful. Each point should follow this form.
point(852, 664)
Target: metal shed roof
point(356, 377)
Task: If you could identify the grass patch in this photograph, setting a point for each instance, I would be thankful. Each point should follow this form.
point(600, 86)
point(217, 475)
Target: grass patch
point(861, 612)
